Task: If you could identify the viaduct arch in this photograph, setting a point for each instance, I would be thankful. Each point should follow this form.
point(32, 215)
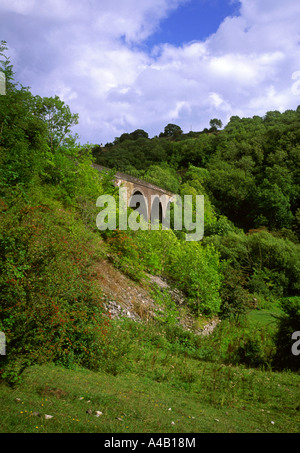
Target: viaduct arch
point(152, 194)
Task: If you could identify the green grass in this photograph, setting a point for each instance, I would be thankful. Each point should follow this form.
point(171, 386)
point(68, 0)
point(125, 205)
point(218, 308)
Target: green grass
point(263, 317)
point(266, 317)
point(157, 387)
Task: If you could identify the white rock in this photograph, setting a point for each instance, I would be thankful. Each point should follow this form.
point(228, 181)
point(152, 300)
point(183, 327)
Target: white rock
point(47, 417)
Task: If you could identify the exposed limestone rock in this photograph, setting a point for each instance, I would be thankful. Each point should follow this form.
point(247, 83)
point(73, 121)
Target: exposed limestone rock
point(124, 298)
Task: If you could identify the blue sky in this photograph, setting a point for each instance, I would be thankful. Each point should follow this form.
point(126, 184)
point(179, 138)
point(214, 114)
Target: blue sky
point(124, 65)
point(193, 21)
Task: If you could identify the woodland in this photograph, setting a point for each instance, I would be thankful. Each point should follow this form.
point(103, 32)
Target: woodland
point(245, 269)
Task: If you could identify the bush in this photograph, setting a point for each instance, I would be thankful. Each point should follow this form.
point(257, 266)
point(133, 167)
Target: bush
point(270, 262)
point(125, 254)
point(236, 300)
point(242, 343)
point(51, 308)
point(276, 261)
point(196, 271)
point(193, 269)
point(287, 325)
point(155, 248)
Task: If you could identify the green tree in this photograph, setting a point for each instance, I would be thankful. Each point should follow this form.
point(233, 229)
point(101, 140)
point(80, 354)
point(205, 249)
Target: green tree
point(171, 130)
point(196, 271)
point(58, 118)
point(135, 135)
point(5, 65)
point(163, 176)
point(215, 124)
point(274, 207)
point(139, 133)
point(231, 189)
point(22, 134)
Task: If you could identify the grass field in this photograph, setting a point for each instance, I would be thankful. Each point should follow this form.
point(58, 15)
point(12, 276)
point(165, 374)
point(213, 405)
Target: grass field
point(266, 316)
point(158, 391)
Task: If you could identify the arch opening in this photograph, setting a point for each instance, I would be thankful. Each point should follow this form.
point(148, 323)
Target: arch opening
point(157, 211)
point(138, 203)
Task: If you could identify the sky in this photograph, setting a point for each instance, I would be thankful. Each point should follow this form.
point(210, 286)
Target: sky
point(124, 65)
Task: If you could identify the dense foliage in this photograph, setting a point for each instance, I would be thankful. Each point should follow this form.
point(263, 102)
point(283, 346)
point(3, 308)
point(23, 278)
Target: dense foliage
point(249, 174)
point(251, 166)
point(50, 301)
point(50, 304)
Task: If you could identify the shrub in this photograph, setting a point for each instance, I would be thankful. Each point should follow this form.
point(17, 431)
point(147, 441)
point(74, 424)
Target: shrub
point(236, 300)
point(287, 325)
point(196, 271)
point(51, 308)
point(242, 343)
point(155, 248)
point(270, 262)
point(193, 269)
point(125, 254)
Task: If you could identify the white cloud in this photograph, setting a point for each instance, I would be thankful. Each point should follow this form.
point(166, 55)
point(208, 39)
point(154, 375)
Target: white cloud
point(58, 9)
point(114, 18)
point(91, 54)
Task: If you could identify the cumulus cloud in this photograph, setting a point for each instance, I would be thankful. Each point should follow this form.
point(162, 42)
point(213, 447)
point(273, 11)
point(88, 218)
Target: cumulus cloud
point(91, 54)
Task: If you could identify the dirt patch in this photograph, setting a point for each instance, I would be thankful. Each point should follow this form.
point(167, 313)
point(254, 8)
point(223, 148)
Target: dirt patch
point(49, 391)
point(123, 297)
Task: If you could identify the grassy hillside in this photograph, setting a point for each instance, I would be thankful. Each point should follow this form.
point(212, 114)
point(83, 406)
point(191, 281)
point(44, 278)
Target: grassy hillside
point(168, 394)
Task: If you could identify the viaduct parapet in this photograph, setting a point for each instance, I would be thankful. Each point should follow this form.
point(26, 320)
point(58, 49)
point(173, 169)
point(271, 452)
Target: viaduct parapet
point(135, 186)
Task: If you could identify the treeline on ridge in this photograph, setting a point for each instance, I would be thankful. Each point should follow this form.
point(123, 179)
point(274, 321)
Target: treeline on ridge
point(249, 170)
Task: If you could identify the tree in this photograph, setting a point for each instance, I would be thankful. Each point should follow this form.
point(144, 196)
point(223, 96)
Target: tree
point(135, 135)
point(22, 134)
point(231, 189)
point(272, 117)
point(58, 118)
point(5, 66)
point(163, 176)
point(139, 133)
point(215, 124)
point(171, 130)
point(273, 206)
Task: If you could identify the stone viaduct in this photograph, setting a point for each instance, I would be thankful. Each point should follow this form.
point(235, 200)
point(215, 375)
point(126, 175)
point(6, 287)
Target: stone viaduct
point(151, 193)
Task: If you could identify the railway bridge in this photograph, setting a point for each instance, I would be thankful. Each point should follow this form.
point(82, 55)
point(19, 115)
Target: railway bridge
point(153, 196)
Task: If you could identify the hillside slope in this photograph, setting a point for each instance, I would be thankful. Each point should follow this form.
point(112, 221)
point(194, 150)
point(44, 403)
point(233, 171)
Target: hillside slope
point(124, 297)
